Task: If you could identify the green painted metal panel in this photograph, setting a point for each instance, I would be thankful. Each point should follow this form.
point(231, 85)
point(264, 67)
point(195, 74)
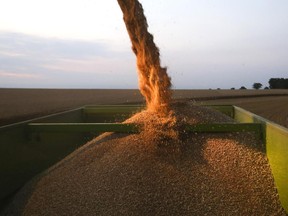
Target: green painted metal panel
point(226, 127)
point(22, 157)
point(104, 109)
point(132, 128)
point(225, 109)
point(277, 152)
point(81, 127)
point(241, 115)
point(109, 114)
point(276, 140)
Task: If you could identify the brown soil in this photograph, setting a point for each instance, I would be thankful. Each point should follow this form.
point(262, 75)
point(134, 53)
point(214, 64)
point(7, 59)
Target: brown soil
point(272, 108)
point(118, 174)
point(23, 104)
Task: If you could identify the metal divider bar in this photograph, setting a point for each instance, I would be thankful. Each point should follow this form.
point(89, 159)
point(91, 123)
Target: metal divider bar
point(133, 128)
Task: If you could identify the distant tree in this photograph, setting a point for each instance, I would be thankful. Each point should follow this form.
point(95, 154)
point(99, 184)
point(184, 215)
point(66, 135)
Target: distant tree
point(266, 88)
point(257, 85)
point(273, 83)
point(243, 87)
point(218, 88)
point(278, 83)
point(232, 88)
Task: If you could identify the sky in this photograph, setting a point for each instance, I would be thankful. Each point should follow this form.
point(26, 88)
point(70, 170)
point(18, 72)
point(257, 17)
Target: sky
point(84, 43)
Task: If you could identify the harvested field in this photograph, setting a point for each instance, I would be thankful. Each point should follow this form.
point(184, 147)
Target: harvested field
point(272, 108)
point(23, 104)
point(118, 174)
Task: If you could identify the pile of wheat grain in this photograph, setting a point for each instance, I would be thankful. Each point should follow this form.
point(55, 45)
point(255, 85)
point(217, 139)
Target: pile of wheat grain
point(120, 174)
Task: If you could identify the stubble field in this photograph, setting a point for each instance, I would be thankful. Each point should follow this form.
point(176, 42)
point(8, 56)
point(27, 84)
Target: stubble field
point(23, 104)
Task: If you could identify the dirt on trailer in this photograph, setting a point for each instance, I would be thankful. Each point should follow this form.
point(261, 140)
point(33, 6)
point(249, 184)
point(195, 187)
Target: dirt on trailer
point(121, 174)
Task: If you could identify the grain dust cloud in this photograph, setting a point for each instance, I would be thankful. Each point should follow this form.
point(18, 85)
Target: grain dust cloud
point(154, 82)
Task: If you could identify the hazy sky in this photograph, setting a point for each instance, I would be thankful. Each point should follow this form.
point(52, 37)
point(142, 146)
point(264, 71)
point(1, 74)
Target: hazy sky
point(84, 43)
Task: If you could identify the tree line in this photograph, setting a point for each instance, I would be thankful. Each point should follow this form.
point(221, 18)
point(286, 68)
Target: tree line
point(278, 83)
point(274, 83)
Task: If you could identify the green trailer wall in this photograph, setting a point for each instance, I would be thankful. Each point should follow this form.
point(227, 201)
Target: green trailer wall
point(276, 141)
point(23, 155)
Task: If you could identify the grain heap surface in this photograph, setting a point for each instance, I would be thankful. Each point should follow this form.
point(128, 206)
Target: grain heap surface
point(120, 174)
